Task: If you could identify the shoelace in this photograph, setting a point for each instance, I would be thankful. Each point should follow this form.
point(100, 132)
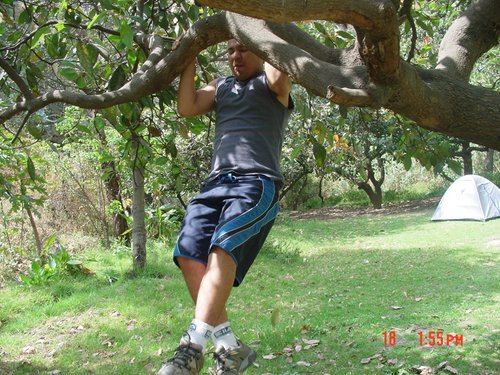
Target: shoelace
point(221, 361)
point(183, 354)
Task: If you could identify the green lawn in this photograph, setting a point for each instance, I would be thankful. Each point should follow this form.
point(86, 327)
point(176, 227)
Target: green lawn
point(317, 301)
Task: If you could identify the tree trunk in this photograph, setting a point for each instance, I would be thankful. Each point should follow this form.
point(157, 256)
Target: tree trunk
point(138, 216)
point(467, 158)
point(320, 189)
point(38, 242)
point(113, 190)
point(488, 161)
point(375, 198)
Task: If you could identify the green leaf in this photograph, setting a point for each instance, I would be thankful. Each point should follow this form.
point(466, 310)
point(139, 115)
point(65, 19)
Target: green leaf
point(343, 111)
point(49, 242)
point(118, 78)
point(126, 34)
point(24, 17)
point(68, 71)
point(275, 317)
point(25, 279)
point(35, 266)
point(60, 26)
point(345, 34)
point(296, 151)
point(318, 26)
point(39, 36)
point(99, 123)
point(455, 166)
point(319, 154)
point(31, 168)
point(407, 162)
point(83, 128)
point(52, 262)
point(95, 19)
point(87, 54)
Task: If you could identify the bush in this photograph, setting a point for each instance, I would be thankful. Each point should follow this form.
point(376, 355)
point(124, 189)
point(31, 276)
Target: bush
point(52, 263)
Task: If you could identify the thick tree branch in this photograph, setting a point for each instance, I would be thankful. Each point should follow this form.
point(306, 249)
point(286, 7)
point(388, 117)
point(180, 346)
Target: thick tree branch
point(375, 20)
point(448, 105)
point(351, 83)
point(296, 36)
point(471, 35)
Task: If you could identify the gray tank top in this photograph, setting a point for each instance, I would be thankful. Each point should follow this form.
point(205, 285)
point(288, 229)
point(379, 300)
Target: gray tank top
point(249, 128)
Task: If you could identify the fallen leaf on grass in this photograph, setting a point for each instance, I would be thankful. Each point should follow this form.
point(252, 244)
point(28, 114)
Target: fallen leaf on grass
point(288, 351)
point(310, 343)
point(275, 317)
point(103, 355)
point(29, 350)
point(269, 356)
point(305, 328)
point(303, 363)
point(444, 366)
point(365, 361)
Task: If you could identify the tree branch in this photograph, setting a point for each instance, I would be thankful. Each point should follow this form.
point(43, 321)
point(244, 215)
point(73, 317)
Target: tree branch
point(18, 80)
point(159, 72)
point(375, 20)
point(405, 14)
point(314, 74)
point(471, 35)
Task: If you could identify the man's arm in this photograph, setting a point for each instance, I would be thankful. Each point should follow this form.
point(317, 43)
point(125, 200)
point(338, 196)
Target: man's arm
point(192, 102)
point(278, 82)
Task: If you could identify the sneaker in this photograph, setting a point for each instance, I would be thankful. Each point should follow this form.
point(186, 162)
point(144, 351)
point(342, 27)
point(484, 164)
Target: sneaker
point(188, 359)
point(233, 360)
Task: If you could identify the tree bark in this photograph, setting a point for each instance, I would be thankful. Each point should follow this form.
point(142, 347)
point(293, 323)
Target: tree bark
point(138, 212)
point(38, 242)
point(466, 154)
point(113, 191)
point(488, 161)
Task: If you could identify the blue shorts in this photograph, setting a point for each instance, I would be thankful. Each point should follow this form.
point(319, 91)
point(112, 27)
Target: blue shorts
point(232, 212)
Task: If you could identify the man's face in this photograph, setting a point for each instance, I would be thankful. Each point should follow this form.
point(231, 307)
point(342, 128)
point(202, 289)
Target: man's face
point(243, 63)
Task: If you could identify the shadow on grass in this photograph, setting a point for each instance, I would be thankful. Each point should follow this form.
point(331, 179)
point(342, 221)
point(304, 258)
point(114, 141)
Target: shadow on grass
point(21, 368)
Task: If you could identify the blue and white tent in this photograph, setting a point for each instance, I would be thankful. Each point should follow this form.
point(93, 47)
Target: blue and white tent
point(470, 197)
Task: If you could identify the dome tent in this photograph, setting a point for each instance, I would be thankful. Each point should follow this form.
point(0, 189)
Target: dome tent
point(470, 197)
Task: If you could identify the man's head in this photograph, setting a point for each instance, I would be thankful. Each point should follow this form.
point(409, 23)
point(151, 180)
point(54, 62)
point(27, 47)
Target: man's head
point(243, 63)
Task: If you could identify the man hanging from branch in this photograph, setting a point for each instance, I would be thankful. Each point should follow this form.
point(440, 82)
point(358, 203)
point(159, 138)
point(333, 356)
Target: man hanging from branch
point(227, 223)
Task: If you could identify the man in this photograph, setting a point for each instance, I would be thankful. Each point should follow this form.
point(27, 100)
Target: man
point(226, 224)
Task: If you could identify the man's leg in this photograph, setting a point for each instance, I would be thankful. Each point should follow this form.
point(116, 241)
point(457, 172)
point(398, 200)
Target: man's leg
point(207, 286)
point(194, 273)
point(215, 287)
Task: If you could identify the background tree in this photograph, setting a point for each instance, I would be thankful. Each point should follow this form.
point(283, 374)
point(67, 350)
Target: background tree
point(121, 59)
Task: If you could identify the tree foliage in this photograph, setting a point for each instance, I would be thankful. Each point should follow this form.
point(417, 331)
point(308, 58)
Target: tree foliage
point(104, 53)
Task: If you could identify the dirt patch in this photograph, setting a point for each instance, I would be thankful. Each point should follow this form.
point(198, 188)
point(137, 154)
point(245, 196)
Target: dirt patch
point(51, 337)
point(340, 212)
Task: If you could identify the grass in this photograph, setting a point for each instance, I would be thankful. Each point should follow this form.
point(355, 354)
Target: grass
point(317, 301)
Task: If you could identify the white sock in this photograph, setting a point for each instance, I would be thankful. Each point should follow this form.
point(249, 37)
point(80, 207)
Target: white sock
point(200, 332)
point(223, 336)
